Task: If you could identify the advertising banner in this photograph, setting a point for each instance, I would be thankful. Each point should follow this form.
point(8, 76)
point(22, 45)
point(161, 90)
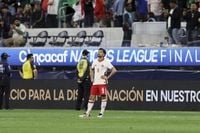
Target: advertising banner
point(178, 95)
point(118, 56)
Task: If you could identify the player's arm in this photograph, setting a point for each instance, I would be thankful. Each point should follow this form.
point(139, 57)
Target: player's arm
point(113, 71)
point(91, 74)
point(21, 73)
point(35, 72)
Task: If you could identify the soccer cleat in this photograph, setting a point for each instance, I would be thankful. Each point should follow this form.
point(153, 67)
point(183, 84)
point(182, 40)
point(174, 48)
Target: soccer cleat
point(84, 115)
point(100, 115)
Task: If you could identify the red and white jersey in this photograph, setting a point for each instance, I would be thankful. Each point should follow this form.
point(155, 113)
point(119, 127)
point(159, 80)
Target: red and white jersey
point(100, 69)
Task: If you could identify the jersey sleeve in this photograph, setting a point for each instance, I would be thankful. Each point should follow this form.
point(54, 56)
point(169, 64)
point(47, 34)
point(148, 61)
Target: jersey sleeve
point(108, 64)
point(93, 64)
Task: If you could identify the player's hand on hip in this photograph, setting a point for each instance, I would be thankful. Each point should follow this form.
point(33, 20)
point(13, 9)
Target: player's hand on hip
point(92, 80)
point(104, 77)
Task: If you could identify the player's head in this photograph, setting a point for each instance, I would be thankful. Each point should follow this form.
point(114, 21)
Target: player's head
point(4, 56)
point(85, 52)
point(101, 52)
point(173, 3)
point(30, 57)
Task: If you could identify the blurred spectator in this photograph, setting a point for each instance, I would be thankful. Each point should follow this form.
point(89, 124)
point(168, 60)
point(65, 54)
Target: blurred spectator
point(151, 17)
point(52, 14)
point(44, 4)
point(38, 16)
point(11, 8)
point(133, 3)
point(118, 10)
point(109, 4)
point(102, 11)
point(142, 10)
point(70, 2)
point(24, 2)
point(154, 7)
point(166, 4)
point(69, 12)
point(1, 32)
point(17, 31)
point(27, 13)
point(99, 12)
point(174, 22)
point(127, 25)
point(108, 21)
point(77, 17)
point(189, 2)
point(88, 11)
point(199, 6)
point(164, 13)
point(183, 4)
point(192, 18)
point(19, 12)
point(7, 20)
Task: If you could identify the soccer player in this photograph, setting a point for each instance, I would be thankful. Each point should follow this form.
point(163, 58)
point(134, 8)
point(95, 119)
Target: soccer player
point(99, 78)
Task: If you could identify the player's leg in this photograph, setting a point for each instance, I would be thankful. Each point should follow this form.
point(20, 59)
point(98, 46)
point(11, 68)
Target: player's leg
point(103, 105)
point(1, 96)
point(86, 94)
point(80, 96)
point(103, 91)
point(93, 92)
point(7, 95)
point(90, 104)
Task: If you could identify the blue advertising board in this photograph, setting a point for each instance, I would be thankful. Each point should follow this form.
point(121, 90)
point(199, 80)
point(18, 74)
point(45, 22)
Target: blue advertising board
point(118, 56)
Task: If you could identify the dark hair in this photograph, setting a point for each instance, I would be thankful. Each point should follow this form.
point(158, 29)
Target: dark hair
point(104, 51)
point(4, 56)
point(15, 18)
point(173, 1)
point(85, 52)
point(29, 56)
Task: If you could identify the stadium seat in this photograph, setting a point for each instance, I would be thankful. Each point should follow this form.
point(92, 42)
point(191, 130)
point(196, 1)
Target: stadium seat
point(60, 39)
point(182, 36)
point(96, 39)
point(195, 43)
point(79, 39)
point(26, 36)
point(39, 40)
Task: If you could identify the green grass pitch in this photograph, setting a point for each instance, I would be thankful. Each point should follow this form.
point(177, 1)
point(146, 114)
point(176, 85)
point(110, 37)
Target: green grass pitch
point(67, 121)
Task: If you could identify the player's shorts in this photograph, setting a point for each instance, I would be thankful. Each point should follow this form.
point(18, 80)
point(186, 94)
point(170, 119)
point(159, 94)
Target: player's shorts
point(98, 89)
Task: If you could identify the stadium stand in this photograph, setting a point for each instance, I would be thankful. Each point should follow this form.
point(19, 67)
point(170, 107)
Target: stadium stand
point(39, 40)
point(26, 37)
point(79, 39)
point(95, 39)
point(60, 39)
